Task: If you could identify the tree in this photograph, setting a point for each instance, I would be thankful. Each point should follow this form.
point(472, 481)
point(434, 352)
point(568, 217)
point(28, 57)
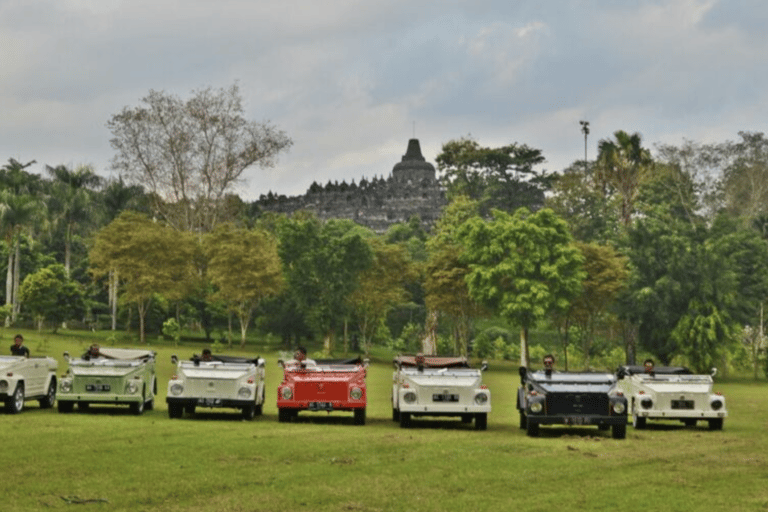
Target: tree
point(189, 154)
point(49, 294)
point(322, 264)
point(446, 274)
point(522, 266)
point(381, 287)
point(72, 201)
point(244, 267)
point(502, 178)
point(147, 257)
point(623, 164)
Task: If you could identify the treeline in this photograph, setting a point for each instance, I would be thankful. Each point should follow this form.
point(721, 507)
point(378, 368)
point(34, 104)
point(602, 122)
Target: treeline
point(629, 255)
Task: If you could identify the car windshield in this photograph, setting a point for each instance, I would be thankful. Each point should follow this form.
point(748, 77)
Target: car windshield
point(565, 381)
point(448, 372)
point(113, 363)
point(676, 379)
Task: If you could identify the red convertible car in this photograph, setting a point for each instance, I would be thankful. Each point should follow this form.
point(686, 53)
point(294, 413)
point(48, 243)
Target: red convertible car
point(322, 385)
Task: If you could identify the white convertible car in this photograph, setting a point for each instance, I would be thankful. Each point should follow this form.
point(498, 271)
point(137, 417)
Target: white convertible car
point(220, 381)
point(27, 378)
point(671, 393)
point(439, 386)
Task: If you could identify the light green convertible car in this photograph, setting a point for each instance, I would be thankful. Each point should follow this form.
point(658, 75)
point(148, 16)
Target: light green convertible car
point(115, 376)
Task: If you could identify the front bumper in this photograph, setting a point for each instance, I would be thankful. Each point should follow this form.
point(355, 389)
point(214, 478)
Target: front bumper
point(586, 419)
point(93, 398)
point(417, 409)
point(234, 403)
point(676, 414)
point(328, 406)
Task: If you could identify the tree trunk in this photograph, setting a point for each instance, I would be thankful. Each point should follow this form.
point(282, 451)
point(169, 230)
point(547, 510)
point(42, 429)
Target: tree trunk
point(16, 281)
point(328, 342)
point(113, 277)
point(525, 357)
point(630, 342)
point(429, 343)
point(9, 285)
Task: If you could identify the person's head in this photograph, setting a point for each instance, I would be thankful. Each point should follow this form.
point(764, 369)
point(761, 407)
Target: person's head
point(648, 365)
point(18, 340)
point(93, 350)
point(207, 354)
point(300, 354)
point(549, 361)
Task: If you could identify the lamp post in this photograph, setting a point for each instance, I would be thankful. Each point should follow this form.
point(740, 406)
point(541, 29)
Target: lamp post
point(585, 131)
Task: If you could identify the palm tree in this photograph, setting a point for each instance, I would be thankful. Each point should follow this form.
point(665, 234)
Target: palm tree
point(71, 200)
point(623, 164)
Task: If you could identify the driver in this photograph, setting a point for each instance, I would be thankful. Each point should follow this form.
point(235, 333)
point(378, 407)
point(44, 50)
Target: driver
point(300, 358)
point(549, 362)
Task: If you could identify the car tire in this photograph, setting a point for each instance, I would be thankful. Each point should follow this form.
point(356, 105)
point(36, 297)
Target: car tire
point(14, 404)
point(619, 431)
point(360, 416)
point(481, 421)
point(249, 411)
point(395, 414)
point(523, 420)
point(405, 419)
point(638, 422)
point(532, 428)
point(467, 418)
point(50, 397)
point(137, 407)
point(66, 406)
point(716, 424)
point(284, 415)
point(175, 411)
point(149, 405)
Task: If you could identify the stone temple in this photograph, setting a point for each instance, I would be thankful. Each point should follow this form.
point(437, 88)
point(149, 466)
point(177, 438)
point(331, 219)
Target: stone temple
point(412, 189)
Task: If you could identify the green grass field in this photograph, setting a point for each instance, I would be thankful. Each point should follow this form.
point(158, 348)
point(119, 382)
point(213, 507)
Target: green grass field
point(107, 459)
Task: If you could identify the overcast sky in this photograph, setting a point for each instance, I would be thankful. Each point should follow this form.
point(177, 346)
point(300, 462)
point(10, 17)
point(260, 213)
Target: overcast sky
point(348, 79)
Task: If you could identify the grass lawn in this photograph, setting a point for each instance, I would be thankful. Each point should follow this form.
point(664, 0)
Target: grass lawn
point(107, 459)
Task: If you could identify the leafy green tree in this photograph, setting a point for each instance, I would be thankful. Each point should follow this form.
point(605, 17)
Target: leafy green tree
point(50, 295)
point(446, 273)
point(382, 286)
point(189, 154)
point(504, 178)
point(244, 267)
point(145, 256)
point(522, 266)
point(322, 263)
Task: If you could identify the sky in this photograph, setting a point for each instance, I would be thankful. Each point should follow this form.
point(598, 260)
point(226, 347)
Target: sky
point(351, 81)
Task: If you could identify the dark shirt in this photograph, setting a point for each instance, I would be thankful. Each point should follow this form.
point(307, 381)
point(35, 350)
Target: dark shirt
point(19, 351)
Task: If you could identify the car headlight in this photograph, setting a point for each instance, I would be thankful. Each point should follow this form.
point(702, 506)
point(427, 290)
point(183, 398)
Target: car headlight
point(716, 404)
point(619, 408)
point(409, 397)
point(244, 392)
point(356, 393)
point(177, 389)
point(646, 403)
point(132, 388)
point(66, 386)
point(481, 398)
point(536, 407)
point(3, 386)
point(287, 393)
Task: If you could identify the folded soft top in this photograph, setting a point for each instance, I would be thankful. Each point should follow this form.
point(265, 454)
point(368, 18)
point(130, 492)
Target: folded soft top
point(227, 359)
point(658, 370)
point(356, 360)
point(124, 354)
point(434, 361)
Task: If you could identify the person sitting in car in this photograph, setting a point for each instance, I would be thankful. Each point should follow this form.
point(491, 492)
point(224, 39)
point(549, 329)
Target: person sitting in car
point(648, 365)
point(549, 363)
point(94, 352)
point(18, 348)
point(300, 358)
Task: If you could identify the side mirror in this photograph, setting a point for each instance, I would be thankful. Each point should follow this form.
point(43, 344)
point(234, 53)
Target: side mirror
point(174, 359)
point(366, 362)
point(66, 356)
point(621, 373)
point(523, 371)
point(281, 363)
point(262, 363)
point(713, 372)
point(484, 366)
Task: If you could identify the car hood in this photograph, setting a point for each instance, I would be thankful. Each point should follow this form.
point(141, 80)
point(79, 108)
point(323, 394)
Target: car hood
point(444, 380)
point(215, 373)
point(8, 362)
point(113, 371)
point(678, 387)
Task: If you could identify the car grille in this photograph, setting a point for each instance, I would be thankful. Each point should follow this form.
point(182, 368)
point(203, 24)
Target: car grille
point(577, 403)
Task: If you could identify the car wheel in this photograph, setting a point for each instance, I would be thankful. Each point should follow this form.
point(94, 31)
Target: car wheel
point(284, 415)
point(50, 397)
point(405, 419)
point(619, 431)
point(137, 407)
point(175, 411)
point(360, 416)
point(149, 405)
point(716, 424)
point(467, 418)
point(531, 428)
point(395, 414)
point(249, 411)
point(481, 421)
point(15, 403)
point(638, 422)
point(66, 406)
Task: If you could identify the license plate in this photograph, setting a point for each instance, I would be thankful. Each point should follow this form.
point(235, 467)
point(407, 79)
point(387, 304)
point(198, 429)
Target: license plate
point(209, 402)
point(682, 404)
point(446, 397)
point(97, 387)
point(320, 406)
point(576, 420)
